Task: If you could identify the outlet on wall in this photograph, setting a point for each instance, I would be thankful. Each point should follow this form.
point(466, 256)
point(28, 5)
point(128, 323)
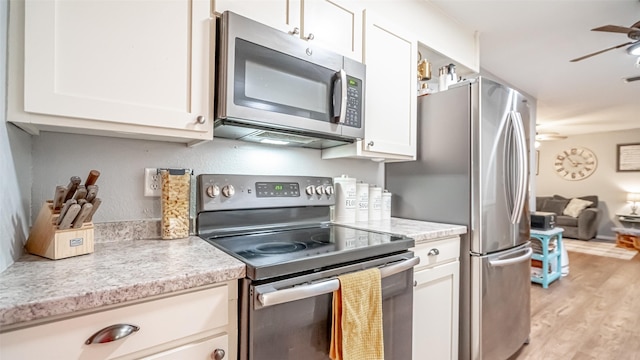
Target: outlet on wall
point(152, 185)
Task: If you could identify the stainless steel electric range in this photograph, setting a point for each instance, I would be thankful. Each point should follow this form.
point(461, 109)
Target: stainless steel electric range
point(279, 226)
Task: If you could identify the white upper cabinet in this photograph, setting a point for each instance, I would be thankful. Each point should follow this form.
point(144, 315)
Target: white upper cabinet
point(390, 54)
point(335, 25)
point(283, 15)
point(136, 67)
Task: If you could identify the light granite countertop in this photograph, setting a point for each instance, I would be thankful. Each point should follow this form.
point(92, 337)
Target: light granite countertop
point(35, 288)
point(420, 231)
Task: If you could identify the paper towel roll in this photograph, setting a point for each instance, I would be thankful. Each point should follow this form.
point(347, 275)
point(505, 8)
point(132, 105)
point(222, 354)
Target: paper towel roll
point(345, 208)
point(362, 197)
point(375, 203)
point(386, 205)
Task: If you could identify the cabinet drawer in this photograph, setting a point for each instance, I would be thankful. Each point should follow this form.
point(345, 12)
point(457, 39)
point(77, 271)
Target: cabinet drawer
point(160, 321)
point(197, 350)
point(441, 251)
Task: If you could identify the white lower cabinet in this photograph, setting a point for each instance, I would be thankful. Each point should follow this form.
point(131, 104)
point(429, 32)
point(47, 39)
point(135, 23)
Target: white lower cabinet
point(201, 324)
point(436, 300)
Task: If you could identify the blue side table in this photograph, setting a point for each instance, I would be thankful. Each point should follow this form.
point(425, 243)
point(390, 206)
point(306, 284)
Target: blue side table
point(545, 236)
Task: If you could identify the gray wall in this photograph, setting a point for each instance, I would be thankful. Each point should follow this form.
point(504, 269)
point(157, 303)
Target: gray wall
point(610, 186)
point(15, 169)
point(58, 156)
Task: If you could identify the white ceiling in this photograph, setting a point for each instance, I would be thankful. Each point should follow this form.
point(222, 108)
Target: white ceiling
point(529, 43)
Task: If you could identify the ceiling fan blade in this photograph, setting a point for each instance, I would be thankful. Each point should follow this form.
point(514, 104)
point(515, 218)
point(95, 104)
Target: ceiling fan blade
point(601, 51)
point(614, 28)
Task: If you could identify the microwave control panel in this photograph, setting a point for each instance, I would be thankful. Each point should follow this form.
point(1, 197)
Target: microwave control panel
point(354, 102)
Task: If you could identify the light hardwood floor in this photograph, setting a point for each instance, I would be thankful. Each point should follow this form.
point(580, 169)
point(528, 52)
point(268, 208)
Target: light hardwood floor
point(593, 313)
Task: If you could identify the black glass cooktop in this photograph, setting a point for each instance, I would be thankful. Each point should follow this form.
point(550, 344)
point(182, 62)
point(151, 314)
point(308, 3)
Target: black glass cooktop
point(286, 252)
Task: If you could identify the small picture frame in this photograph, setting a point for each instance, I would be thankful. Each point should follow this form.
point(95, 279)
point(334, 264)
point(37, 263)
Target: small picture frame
point(628, 157)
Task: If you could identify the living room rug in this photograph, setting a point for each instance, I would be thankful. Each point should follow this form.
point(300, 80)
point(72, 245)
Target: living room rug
point(599, 248)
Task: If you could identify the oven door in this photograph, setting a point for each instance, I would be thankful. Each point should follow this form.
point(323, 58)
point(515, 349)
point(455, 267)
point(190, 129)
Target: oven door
point(275, 80)
point(291, 319)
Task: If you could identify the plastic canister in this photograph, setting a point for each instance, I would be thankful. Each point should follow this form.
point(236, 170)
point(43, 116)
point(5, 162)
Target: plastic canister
point(375, 203)
point(362, 197)
point(345, 208)
point(386, 205)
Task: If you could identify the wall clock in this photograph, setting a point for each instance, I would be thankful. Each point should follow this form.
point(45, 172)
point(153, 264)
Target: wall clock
point(576, 163)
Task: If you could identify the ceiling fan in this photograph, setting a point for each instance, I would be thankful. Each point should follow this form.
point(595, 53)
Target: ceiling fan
point(633, 33)
point(549, 136)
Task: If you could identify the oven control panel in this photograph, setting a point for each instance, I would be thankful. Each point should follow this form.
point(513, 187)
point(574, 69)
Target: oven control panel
point(232, 192)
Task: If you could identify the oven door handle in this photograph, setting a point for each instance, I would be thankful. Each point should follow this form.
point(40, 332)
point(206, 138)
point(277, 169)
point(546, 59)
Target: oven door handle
point(306, 291)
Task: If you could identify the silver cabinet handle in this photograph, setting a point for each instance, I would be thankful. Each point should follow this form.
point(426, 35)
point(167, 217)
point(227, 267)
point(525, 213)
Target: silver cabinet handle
point(200, 119)
point(217, 354)
point(295, 31)
point(310, 37)
point(433, 252)
point(112, 333)
point(325, 287)
point(370, 143)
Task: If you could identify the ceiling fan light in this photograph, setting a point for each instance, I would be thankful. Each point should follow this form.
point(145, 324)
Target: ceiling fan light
point(634, 49)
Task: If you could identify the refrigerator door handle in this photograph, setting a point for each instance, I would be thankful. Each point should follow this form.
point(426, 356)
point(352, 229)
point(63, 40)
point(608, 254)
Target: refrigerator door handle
point(505, 262)
point(508, 167)
point(521, 149)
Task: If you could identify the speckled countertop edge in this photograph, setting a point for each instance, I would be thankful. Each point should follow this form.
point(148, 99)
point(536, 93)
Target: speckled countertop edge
point(35, 288)
point(420, 231)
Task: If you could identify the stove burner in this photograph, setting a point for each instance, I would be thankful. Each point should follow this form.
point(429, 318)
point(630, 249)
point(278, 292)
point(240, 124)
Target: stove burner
point(321, 238)
point(279, 247)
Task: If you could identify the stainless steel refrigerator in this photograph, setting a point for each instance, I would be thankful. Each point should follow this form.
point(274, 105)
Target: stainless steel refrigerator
point(472, 169)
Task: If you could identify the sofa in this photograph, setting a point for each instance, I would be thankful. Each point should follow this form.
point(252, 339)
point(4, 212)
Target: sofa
point(578, 217)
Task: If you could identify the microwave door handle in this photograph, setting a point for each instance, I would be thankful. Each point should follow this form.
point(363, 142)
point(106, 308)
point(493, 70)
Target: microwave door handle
point(338, 116)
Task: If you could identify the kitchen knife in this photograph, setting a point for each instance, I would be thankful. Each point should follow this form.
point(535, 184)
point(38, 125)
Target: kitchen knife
point(58, 198)
point(71, 188)
point(92, 191)
point(81, 192)
point(69, 216)
point(84, 212)
point(92, 177)
point(96, 204)
point(64, 210)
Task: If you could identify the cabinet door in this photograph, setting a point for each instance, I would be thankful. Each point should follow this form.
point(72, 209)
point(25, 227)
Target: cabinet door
point(143, 63)
point(435, 312)
point(280, 14)
point(204, 349)
point(390, 54)
point(336, 25)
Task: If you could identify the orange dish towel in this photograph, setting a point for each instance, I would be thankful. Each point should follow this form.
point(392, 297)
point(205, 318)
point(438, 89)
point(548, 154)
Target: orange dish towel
point(356, 326)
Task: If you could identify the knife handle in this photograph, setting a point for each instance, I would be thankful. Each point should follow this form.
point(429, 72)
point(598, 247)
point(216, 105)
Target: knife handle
point(71, 188)
point(64, 210)
point(92, 191)
point(84, 212)
point(92, 177)
point(81, 192)
point(61, 191)
point(96, 204)
point(69, 216)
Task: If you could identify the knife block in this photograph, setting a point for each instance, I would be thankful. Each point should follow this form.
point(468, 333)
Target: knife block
point(46, 240)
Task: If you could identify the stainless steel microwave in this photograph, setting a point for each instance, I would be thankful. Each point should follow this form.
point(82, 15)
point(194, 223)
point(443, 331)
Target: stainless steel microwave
point(275, 87)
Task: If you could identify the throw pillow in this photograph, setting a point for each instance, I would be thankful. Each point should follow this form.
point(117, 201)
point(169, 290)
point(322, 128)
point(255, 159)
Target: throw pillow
point(575, 207)
point(555, 206)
